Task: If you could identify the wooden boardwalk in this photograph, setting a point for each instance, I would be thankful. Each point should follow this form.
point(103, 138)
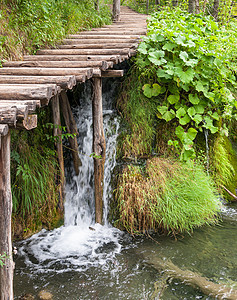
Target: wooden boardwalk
point(33, 82)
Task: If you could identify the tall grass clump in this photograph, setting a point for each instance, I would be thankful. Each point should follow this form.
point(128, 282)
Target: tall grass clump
point(27, 25)
point(34, 180)
point(166, 196)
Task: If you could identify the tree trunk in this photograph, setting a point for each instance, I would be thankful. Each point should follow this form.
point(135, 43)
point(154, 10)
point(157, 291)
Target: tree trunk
point(216, 8)
point(6, 272)
point(197, 6)
point(59, 146)
point(147, 6)
point(116, 10)
point(191, 6)
point(99, 148)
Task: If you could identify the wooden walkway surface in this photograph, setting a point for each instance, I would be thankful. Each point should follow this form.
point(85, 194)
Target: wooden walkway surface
point(31, 83)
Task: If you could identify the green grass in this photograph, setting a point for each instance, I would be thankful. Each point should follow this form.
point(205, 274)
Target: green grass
point(27, 25)
point(167, 196)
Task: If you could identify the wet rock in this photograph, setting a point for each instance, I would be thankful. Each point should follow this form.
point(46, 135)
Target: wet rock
point(44, 295)
point(27, 297)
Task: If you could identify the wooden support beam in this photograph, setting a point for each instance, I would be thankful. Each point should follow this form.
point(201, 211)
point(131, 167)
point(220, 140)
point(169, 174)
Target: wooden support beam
point(21, 109)
point(8, 116)
point(31, 104)
point(57, 64)
point(4, 129)
point(6, 271)
point(65, 82)
point(72, 129)
point(99, 148)
point(59, 146)
point(112, 73)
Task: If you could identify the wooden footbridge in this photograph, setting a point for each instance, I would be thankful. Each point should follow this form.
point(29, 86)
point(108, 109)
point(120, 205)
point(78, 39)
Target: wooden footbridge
point(44, 78)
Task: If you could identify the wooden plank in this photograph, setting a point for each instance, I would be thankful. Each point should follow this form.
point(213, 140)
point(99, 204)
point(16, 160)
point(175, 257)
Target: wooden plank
point(57, 64)
point(96, 41)
point(31, 104)
point(6, 271)
point(47, 71)
point(8, 116)
point(21, 110)
point(65, 82)
point(30, 122)
point(114, 58)
point(136, 33)
point(101, 36)
point(26, 92)
point(124, 51)
point(99, 46)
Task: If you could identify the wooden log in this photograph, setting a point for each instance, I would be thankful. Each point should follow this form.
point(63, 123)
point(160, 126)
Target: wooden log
point(115, 32)
point(72, 129)
point(96, 73)
point(8, 116)
point(124, 51)
point(59, 146)
point(65, 82)
point(116, 10)
point(99, 46)
point(112, 73)
point(81, 78)
point(32, 104)
point(28, 123)
point(47, 71)
point(114, 58)
point(101, 36)
point(6, 271)
point(26, 92)
point(95, 41)
point(99, 148)
point(57, 64)
point(21, 109)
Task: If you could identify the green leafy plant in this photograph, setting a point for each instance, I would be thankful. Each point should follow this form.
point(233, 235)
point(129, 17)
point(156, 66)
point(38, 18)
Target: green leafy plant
point(188, 62)
point(3, 258)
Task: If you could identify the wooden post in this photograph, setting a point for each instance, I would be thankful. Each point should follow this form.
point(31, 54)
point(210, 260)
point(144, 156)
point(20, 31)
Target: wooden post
point(71, 128)
point(99, 147)
point(116, 10)
point(58, 144)
point(6, 272)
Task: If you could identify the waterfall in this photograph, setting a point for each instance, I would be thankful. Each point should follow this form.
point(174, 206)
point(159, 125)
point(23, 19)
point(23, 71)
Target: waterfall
point(81, 243)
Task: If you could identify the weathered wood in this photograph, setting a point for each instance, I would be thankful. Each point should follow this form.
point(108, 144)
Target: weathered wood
point(26, 92)
point(31, 104)
point(58, 145)
point(21, 109)
point(114, 58)
point(47, 71)
point(28, 123)
point(4, 129)
point(6, 271)
point(101, 36)
point(99, 46)
point(116, 10)
point(72, 129)
point(96, 41)
point(112, 73)
point(8, 116)
point(115, 33)
point(57, 64)
point(97, 73)
point(124, 51)
point(65, 82)
point(99, 148)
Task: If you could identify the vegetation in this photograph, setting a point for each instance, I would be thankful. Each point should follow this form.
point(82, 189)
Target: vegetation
point(165, 195)
point(27, 25)
point(34, 176)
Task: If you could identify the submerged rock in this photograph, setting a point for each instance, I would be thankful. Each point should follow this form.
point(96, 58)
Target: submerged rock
point(44, 295)
point(27, 297)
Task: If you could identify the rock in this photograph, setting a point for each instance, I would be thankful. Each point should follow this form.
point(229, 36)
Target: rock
point(44, 295)
point(27, 297)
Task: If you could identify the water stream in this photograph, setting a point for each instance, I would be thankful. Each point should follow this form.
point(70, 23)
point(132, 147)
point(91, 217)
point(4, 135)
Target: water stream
point(84, 260)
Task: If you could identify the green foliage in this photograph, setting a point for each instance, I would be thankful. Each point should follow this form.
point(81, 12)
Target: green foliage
point(167, 196)
point(31, 24)
point(3, 258)
point(34, 178)
point(189, 64)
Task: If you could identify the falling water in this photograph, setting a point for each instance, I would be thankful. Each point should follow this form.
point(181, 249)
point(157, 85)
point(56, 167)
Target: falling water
point(81, 243)
point(207, 149)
